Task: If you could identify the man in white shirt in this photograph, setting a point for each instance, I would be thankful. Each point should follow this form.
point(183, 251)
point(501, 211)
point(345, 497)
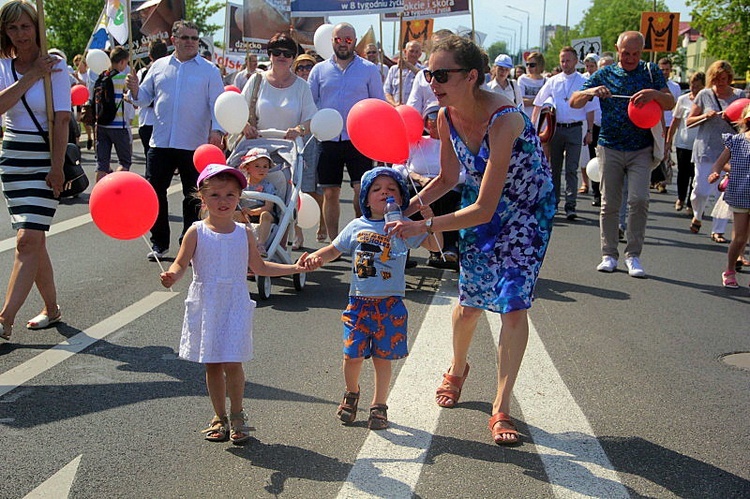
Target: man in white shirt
point(657, 174)
point(251, 66)
point(372, 54)
point(183, 89)
point(421, 95)
point(400, 79)
point(568, 137)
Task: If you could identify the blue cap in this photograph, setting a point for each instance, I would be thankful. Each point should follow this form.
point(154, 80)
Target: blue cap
point(369, 177)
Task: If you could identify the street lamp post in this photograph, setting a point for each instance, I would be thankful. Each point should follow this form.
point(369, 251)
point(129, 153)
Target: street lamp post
point(516, 45)
point(520, 38)
point(528, 16)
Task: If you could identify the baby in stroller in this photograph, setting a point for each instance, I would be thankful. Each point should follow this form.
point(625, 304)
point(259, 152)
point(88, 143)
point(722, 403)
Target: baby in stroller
point(258, 213)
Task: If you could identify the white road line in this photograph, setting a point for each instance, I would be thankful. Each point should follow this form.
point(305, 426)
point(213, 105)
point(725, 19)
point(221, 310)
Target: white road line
point(390, 462)
point(65, 225)
point(59, 484)
point(22, 373)
point(575, 463)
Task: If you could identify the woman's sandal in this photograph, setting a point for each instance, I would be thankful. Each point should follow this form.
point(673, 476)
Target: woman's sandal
point(378, 417)
point(729, 280)
point(43, 321)
point(695, 226)
point(450, 388)
point(217, 430)
point(500, 432)
point(5, 331)
point(239, 430)
point(347, 409)
point(718, 238)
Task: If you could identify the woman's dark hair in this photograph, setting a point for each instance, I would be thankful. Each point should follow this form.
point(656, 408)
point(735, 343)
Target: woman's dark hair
point(283, 41)
point(466, 53)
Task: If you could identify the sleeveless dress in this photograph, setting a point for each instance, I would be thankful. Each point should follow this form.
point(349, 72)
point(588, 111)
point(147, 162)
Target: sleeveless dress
point(500, 260)
point(218, 323)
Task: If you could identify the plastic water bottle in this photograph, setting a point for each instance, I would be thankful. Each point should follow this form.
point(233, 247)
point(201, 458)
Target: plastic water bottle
point(393, 214)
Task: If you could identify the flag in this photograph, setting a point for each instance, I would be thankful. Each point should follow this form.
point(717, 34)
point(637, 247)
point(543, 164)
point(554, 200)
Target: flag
point(117, 21)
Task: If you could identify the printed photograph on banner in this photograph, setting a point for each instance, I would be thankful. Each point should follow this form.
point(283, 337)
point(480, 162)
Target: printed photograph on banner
point(254, 22)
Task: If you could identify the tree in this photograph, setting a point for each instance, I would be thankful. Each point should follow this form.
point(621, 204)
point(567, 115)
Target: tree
point(199, 11)
point(70, 25)
point(726, 27)
point(496, 49)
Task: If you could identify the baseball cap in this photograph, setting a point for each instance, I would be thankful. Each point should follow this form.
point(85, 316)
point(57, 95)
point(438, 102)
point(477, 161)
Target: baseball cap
point(430, 109)
point(215, 168)
point(504, 61)
point(256, 153)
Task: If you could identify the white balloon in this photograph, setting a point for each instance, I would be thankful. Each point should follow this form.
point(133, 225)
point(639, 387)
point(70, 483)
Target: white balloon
point(323, 40)
point(97, 60)
point(308, 215)
point(326, 124)
point(593, 171)
point(231, 111)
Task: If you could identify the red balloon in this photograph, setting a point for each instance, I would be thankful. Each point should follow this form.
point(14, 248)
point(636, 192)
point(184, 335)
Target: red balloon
point(232, 88)
point(413, 123)
point(123, 205)
point(208, 154)
point(734, 110)
point(377, 131)
point(645, 116)
point(79, 94)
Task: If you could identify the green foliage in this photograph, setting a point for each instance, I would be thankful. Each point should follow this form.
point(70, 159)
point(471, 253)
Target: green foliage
point(726, 26)
point(70, 24)
point(200, 11)
point(496, 49)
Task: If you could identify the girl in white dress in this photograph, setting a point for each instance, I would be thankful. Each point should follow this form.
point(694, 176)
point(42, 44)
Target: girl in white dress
point(217, 329)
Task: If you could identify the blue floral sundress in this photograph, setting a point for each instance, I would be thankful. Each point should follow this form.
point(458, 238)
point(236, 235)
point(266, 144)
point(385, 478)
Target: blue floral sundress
point(500, 260)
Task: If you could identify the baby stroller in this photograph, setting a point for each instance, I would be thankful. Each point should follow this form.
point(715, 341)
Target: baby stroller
point(286, 177)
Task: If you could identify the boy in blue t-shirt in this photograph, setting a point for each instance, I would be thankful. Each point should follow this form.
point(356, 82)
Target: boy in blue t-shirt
point(375, 320)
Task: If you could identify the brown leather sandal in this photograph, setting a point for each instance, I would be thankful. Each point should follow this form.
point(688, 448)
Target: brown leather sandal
point(378, 417)
point(217, 430)
point(450, 388)
point(498, 431)
point(347, 410)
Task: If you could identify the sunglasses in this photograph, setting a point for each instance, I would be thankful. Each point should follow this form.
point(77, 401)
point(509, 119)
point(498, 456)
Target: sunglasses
point(441, 75)
point(530, 64)
point(347, 39)
point(188, 37)
point(281, 53)
point(304, 67)
point(371, 53)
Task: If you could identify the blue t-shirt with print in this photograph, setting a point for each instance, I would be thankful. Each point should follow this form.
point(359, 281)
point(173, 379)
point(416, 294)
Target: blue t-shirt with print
point(264, 186)
point(375, 271)
point(618, 132)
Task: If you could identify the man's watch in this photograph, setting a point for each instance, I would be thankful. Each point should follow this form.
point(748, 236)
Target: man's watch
point(428, 225)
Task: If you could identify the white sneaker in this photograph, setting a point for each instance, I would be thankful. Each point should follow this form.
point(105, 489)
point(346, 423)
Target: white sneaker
point(634, 267)
point(609, 264)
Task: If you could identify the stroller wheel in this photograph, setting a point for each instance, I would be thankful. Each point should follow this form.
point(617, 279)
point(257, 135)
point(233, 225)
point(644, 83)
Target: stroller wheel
point(264, 287)
point(299, 281)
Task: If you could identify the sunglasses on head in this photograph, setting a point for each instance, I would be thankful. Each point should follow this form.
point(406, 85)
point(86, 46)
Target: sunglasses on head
point(347, 39)
point(441, 75)
point(281, 53)
point(304, 67)
point(188, 37)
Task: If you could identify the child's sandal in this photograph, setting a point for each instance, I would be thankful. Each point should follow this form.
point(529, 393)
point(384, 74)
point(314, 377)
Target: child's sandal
point(217, 429)
point(239, 430)
point(347, 409)
point(378, 417)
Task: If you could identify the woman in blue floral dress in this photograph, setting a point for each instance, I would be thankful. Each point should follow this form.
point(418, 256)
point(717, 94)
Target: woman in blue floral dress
point(504, 231)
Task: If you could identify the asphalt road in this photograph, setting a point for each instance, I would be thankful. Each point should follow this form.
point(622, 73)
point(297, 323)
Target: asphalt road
point(622, 393)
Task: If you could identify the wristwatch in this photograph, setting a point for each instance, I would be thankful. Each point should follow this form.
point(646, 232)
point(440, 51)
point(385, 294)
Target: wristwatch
point(428, 225)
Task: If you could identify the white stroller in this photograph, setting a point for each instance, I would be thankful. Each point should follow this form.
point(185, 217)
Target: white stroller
point(286, 177)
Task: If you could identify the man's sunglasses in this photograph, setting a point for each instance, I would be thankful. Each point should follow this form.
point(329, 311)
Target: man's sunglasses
point(347, 39)
point(372, 52)
point(304, 67)
point(441, 75)
point(188, 37)
point(281, 53)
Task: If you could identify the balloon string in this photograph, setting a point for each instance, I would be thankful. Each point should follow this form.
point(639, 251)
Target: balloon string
point(156, 257)
point(306, 143)
point(419, 198)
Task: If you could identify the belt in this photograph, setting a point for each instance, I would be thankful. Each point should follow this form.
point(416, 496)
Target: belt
point(570, 125)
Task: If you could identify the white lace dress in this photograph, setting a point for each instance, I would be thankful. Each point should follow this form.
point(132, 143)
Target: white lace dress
point(218, 324)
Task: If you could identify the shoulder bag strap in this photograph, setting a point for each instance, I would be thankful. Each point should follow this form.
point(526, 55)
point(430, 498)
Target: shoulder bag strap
point(26, 105)
point(253, 118)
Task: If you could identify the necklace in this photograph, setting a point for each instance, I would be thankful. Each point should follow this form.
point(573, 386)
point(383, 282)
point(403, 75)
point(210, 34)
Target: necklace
point(570, 87)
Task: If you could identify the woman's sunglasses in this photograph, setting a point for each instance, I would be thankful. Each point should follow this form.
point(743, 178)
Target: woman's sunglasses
point(530, 64)
point(441, 75)
point(281, 53)
point(304, 67)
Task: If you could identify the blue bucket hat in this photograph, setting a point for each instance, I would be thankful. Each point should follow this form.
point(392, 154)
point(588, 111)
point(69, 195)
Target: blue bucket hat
point(369, 177)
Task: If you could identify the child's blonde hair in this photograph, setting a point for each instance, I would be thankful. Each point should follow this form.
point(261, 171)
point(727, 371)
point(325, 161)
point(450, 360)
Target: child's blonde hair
point(744, 124)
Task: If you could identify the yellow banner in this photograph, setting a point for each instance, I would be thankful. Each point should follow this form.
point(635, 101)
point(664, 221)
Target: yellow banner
point(660, 29)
